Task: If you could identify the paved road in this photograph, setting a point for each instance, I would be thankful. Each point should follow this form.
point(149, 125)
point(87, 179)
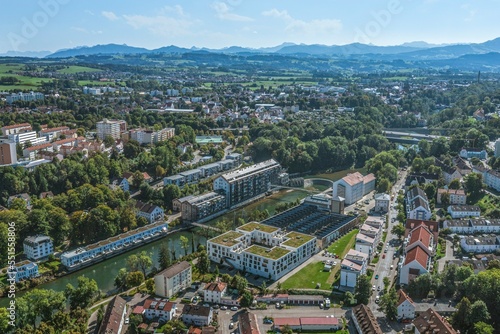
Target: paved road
point(449, 256)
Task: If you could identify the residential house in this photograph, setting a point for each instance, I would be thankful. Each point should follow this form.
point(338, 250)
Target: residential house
point(486, 244)
point(25, 270)
point(114, 318)
point(120, 182)
point(431, 322)
point(417, 262)
point(173, 279)
point(417, 204)
point(450, 173)
point(382, 202)
point(159, 308)
point(151, 212)
point(462, 165)
point(365, 244)
point(469, 153)
point(405, 306)
point(352, 266)
point(248, 323)
point(213, 292)
point(456, 196)
point(464, 211)
point(38, 247)
point(473, 225)
point(197, 315)
point(364, 321)
point(24, 196)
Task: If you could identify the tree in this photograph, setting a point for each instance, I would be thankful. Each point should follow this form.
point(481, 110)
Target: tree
point(348, 298)
point(4, 320)
point(454, 184)
point(461, 318)
point(389, 304)
point(383, 185)
point(108, 141)
point(445, 199)
point(479, 312)
point(483, 328)
point(137, 179)
point(164, 257)
point(363, 289)
point(100, 314)
point(246, 299)
point(150, 285)
point(263, 288)
point(84, 294)
point(203, 263)
point(398, 230)
point(134, 278)
point(184, 243)
point(474, 185)
point(121, 278)
point(239, 283)
point(142, 262)
point(42, 304)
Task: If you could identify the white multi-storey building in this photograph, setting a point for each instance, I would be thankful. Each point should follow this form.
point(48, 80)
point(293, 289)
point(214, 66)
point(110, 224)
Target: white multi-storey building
point(27, 136)
point(365, 244)
point(112, 128)
point(471, 226)
point(382, 202)
point(213, 292)
point(275, 254)
point(38, 247)
point(457, 196)
point(246, 183)
point(159, 308)
point(25, 270)
point(173, 279)
point(405, 306)
point(25, 97)
point(480, 244)
point(497, 148)
point(417, 204)
point(353, 265)
point(144, 136)
point(353, 187)
point(197, 315)
point(464, 211)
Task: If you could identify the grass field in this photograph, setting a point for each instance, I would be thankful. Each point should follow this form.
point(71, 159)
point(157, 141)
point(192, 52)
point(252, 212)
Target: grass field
point(8, 70)
point(78, 69)
point(342, 246)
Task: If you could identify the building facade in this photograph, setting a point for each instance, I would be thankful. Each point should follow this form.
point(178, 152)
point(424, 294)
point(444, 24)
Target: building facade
point(151, 212)
point(197, 315)
point(112, 128)
point(159, 308)
point(464, 211)
point(173, 279)
point(8, 154)
point(25, 270)
point(202, 206)
point(352, 266)
point(456, 196)
point(213, 292)
point(353, 187)
point(38, 247)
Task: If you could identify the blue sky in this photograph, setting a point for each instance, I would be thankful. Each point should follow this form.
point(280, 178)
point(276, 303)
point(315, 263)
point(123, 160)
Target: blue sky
point(35, 25)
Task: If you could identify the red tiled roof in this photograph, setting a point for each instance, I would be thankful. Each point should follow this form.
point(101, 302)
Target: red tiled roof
point(402, 297)
point(319, 321)
point(430, 321)
point(22, 125)
point(353, 178)
point(219, 287)
point(421, 233)
point(167, 306)
point(278, 322)
point(59, 128)
point(368, 178)
point(138, 310)
point(38, 147)
point(417, 254)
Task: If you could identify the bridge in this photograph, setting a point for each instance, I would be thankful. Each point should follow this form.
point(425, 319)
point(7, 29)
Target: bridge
point(213, 228)
point(409, 137)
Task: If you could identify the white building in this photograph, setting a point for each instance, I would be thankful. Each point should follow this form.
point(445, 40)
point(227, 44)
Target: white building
point(197, 315)
point(464, 211)
point(405, 306)
point(173, 279)
point(28, 136)
point(38, 247)
point(159, 308)
point(213, 292)
point(492, 179)
point(353, 187)
point(480, 244)
point(112, 128)
point(151, 212)
point(25, 270)
point(417, 262)
point(417, 204)
point(276, 254)
point(374, 232)
point(144, 136)
point(25, 97)
point(365, 244)
point(457, 196)
point(471, 226)
point(353, 265)
point(382, 202)
point(16, 128)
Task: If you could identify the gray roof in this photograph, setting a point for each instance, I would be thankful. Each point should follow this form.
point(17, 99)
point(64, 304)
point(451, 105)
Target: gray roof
point(174, 269)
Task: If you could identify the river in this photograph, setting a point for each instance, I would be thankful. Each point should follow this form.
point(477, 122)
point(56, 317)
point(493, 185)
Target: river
point(104, 272)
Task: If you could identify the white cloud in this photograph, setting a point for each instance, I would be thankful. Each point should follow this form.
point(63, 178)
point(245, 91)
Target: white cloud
point(160, 25)
point(109, 15)
point(85, 31)
point(223, 12)
point(312, 27)
point(88, 11)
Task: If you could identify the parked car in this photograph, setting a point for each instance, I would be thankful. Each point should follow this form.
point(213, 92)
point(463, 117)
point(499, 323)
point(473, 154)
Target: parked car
point(223, 307)
point(376, 276)
point(234, 308)
point(268, 321)
point(374, 287)
point(231, 325)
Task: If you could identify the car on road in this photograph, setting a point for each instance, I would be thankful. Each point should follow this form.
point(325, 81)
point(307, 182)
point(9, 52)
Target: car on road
point(234, 308)
point(374, 287)
point(392, 266)
point(268, 321)
point(378, 288)
point(223, 307)
point(127, 320)
point(385, 250)
point(376, 276)
point(377, 299)
point(231, 325)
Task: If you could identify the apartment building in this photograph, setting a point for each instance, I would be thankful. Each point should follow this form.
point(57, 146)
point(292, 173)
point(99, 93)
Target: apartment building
point(405, 306)
point(112, 128)
point(51, 133)
point(159, 308)
point(38, 247)
point(114, 318)
point(364, 321)
point(469, 153)
point(382, 202)
point(352, 266)
point(23, 137)
point(8, 153)
point(417, 204)
point(353, 187)
point(197, 315)
point(430, 322)
point(419, 246)
point(144, 136)
point(473, 225)
point(197, 208)
point(247, 183)
point(464, 211)
point(274, 253)
point(25, 270)
point(457, 196)
point(173, 279)
point(484, 244)
point(213, 292)
point(151, 212)
point(24, 97)
point(16, 128)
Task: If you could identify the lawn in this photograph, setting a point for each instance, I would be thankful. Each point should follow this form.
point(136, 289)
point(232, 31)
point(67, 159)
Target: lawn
point(307, 278)
point(78, 69)
point(342, 246)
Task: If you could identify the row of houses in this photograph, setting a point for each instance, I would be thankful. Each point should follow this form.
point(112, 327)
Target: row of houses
point(194, 175)
point(473, 225)
point(261, 249)
point(480, 244)
point(490, 177)
point(113, 245)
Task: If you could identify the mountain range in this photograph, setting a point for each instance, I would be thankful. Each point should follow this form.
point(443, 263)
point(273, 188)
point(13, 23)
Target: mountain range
point(407, 51)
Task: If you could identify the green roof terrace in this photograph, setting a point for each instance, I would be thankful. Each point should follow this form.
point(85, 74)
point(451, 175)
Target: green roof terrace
point(257, 226)
point(296, 239)
point(227, 239)
point(270, 253)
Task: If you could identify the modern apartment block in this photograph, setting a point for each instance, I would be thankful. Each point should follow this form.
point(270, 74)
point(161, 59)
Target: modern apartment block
point(417, 204)
point(247, 183)
point(352, 266)
point(25, 97)
point(25, 270)
point(474, 225)
point(173, 279)
point(144, 136)
point(419, 247)
point(8, 154)
point(16, 128)
point(353, 187)
point(456, 196)
point(38, 247)
point(27, 136)
point(112, 128)
point(202, 206)
point(262, 250)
